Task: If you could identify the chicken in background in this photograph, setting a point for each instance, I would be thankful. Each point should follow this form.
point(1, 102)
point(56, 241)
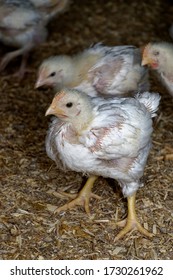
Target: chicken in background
point(23, 27)
point(159, 56)
point(98, 70)
point(103, 137)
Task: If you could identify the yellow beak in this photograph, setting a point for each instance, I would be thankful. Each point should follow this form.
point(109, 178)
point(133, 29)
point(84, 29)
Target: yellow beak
point(50, 111)
point(54, 110)
point(144, 62)
point(39, 83)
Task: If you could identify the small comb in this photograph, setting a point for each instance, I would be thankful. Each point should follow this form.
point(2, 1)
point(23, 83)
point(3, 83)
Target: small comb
point(143, 49)
point(59, 95)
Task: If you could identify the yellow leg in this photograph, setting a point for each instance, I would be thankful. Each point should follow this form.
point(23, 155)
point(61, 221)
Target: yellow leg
point(132, 222)
point(82, 198)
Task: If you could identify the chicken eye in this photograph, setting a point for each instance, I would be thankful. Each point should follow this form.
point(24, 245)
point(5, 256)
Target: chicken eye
point(156, 53)
point(52, 74)
point(69, 104)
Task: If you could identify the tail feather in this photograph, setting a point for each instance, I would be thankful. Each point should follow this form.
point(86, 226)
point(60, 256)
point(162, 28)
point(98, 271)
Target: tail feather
point(150, 101)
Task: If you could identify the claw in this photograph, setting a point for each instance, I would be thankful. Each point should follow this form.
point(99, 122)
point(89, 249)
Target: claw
point(82, 198)
point(131, 223)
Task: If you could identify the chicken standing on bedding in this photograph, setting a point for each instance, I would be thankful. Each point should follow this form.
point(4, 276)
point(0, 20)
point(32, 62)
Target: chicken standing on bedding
point(103, 137)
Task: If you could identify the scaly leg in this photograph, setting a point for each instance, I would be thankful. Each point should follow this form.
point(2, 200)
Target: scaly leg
point(132, 222)
point(82, 198)
point(8, 57)
point(22, 70)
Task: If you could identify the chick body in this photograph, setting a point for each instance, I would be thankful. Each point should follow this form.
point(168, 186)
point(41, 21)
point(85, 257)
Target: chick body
point(103, 137)
point(114, 138)
point(99, 70)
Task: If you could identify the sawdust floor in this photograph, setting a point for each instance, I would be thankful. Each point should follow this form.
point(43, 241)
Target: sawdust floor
point(30, 180)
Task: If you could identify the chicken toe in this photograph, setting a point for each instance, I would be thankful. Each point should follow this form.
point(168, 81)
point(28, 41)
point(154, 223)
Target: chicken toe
point(132, 222)
point(82, 198)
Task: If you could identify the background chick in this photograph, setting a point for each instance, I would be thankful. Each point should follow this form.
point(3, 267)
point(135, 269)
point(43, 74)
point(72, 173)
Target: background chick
point(98, 70)
point(103, 137)
point(23, 26)
point(159, 56)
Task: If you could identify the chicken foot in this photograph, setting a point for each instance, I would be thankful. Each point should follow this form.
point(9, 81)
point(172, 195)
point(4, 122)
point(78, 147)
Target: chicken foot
point(82, 198)
point(131, 222)
point(24, 52)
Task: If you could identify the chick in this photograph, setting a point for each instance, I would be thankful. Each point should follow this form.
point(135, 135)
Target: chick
point(103, 137)
point(159, 56)
point(99, 70)
point(22, 27)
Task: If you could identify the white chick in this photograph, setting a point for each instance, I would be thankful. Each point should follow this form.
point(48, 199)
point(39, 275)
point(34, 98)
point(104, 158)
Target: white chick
point(159, 56)
point(103, 137)
point(22, 27)
point(99, 70)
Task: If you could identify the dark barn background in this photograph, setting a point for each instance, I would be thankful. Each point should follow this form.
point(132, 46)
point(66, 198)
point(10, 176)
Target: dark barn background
point(30, 180)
